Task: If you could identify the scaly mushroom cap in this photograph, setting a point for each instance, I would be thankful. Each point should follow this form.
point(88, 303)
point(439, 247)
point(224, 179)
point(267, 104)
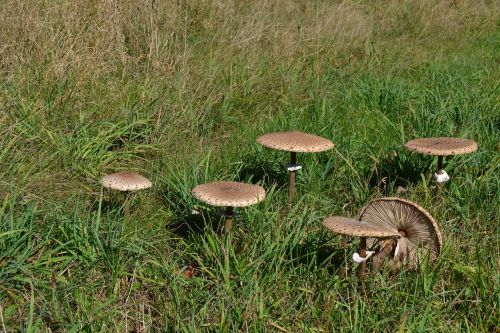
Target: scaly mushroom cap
point(441, 146)
point(295, 141)
point(125, 181)
point(352, 227)
point(420, 236)
point(232, 194)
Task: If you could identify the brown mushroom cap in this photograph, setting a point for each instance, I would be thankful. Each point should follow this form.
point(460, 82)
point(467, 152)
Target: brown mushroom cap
point(125, 181)
point(295, 141)
point(352, 227)
point(232, 194)
point(421, 235)
point(441, 146)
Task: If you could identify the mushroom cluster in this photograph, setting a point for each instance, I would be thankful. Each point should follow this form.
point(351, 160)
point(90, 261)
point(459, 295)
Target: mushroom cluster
point(393, 231)
point(391, 227)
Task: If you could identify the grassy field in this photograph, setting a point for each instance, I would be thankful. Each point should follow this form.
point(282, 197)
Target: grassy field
point(179, 91)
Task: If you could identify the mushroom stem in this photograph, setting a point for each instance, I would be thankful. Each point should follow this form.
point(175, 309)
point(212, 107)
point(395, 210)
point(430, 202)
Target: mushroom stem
point(440, 165)
point(362, 254)
point(291, 185)
point(228, 225)
point(126, 205)
point(343, 269)
point(380, 256)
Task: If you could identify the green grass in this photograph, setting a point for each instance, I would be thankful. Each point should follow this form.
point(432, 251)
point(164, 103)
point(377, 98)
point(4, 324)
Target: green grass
point(179, 92)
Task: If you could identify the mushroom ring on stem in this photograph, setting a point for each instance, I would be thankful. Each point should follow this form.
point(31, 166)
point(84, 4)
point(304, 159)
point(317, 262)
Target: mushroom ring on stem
point(294, 142)
point(229, 194)
point(420, 236)
point(126, 182)
point(441, 147)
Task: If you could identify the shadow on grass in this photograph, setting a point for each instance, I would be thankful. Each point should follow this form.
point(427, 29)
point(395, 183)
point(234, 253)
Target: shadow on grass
point(311, 254)
point(400, 169)
point(111, 202)
point(191, 225)
point(180, 202)
point(254, 169)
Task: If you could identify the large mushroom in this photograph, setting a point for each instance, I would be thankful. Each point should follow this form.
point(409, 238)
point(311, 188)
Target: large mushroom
point(391, 226)
point(351, 227)
point(229, 194)
point(441, 147)
point(129, 182)
point(420, 235)
point(294, 142)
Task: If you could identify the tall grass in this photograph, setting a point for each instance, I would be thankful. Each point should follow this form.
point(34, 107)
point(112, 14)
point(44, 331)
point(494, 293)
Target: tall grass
point(179, 91)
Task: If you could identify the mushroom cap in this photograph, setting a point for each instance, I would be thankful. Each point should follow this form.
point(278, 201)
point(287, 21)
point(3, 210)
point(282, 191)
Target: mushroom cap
point(421, 233)
point(126, 181)
point(352, 227)
point(442, 146)
point(295, 141)
point(232, 194)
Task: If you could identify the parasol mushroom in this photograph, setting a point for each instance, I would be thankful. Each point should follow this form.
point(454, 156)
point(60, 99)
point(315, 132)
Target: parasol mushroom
point(391, 226)
point(294, 142)
point(229, 194)
point(420, 235)
point(126, 182)
point(352, 227)
point(441, 147)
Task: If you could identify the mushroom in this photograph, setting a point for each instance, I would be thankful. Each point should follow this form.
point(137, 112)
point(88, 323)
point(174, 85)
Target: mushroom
point(441, 147)
point(391, 226)
point(352, 227)
point(229, 194)
point(420, 235)
point(294, 142)
point(126, 182)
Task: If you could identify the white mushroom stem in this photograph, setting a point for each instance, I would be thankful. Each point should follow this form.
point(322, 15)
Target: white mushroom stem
point(401, 252)
point(401, 246)
point(396, 251)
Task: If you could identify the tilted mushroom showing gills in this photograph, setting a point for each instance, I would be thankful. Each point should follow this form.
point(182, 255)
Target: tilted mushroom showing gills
point(420, 235)
point(295, 142)
point(352, 227)
point(126, 182)
point(229, 194)
point(391, 226)
point(441, 147)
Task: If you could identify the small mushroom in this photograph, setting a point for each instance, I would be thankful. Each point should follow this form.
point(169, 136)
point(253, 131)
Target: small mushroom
point(229, 194)
point(294, 142)
point(129, 182)
point(352, 227)
point(420, 235)
point(441, 147)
